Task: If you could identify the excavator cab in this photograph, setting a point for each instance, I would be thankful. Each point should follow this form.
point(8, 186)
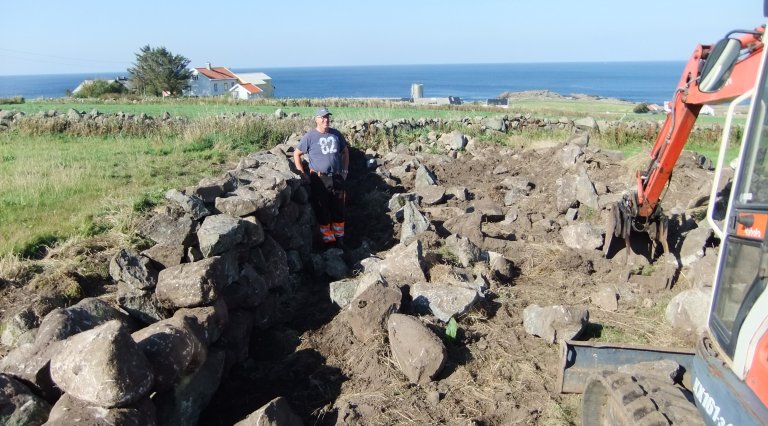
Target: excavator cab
point(738, 319)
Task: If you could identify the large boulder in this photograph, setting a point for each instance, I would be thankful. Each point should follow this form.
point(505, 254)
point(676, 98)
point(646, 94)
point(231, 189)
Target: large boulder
point(114, 373)
point(69, 410)
point(192, 284)
point(419, 353)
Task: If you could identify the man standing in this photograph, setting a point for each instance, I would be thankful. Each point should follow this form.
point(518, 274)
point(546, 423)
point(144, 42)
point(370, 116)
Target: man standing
point(328, 168)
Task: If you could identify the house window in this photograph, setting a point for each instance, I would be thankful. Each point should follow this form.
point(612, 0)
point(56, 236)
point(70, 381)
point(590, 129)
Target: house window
point(215, 87)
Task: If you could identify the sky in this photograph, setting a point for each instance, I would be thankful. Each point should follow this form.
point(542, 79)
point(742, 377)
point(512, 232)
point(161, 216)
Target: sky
point(79, 36)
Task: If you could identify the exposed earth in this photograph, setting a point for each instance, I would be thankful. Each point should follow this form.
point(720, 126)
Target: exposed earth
point(496, 373)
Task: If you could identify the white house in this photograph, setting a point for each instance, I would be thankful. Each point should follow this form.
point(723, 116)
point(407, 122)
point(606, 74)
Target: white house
point(245, 91)
point(211, 81)
point(260, 80)
point(218, 81)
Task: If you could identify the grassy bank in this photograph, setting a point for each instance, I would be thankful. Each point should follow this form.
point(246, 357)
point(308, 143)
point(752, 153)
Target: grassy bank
point(55, 186)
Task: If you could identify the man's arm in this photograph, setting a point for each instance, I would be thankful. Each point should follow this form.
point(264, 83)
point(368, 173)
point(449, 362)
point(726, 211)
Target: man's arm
point(297, 160)
point(345, 162)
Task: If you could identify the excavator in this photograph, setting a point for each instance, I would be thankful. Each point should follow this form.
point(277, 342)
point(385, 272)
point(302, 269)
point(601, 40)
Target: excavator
point(724, 381)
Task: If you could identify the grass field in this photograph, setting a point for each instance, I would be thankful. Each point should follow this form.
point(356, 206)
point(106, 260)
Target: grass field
point(54, 186)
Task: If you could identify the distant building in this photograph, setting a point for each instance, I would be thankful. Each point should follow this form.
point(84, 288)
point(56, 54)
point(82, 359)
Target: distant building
point(245, 91)
point(123, 81)
point(450, 100)
point(210, 81)
point(497, 102)
point(219, 81)
point(260, 80)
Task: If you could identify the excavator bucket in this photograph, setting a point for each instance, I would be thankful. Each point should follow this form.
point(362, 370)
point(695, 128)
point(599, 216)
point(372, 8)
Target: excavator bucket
point(580, 360)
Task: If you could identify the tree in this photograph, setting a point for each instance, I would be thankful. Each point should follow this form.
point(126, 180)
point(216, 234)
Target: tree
point(158, 70)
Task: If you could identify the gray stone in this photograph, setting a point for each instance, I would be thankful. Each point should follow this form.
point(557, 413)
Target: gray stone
point(403, 265)
point(342, 292)
point(419, 353)
point(424, 178)
point(140, 304)
point(555, 323)
point(694, 244)
point(19, 406)
point(69, 410)
point(582, 236)
point(367, 315)
point(276, 412)
point(248, 291)
point(443, 300)
point(220, 233)
point(688, 310)
point(172, 348)
point(587, 123)
point(414, 223)
point(605, 298)
point(209, 321)
point(194, 206)
point(191, 284)
point(467, 253)
point(468, 226)
point(585, 191)
point(168, 227)
point(133, 269)
point(569, 154)
point(431, 194)
point(165, 255)
point(489, 209)
point(115, 373)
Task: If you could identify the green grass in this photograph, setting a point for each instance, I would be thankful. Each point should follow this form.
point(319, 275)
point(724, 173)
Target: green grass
point(52, 187)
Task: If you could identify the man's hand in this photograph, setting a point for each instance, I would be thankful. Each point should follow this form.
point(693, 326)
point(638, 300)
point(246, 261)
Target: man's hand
point(344, 174)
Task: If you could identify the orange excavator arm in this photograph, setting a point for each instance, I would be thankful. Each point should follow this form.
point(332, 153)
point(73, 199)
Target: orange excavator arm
point(687, 103)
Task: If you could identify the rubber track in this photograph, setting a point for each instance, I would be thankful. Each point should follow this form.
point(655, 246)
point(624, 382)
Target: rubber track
point(618, 398)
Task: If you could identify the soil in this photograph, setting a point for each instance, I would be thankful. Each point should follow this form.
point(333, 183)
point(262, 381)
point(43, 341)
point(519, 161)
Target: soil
point(496, 374)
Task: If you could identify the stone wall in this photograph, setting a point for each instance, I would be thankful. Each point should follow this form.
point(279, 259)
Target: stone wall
point(155, 352)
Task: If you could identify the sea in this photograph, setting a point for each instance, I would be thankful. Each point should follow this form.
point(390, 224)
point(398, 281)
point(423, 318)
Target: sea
point(650, 82)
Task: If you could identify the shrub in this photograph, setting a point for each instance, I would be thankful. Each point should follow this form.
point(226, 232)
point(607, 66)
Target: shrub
point(641, 108)
point(100, 88)
point(12, 100)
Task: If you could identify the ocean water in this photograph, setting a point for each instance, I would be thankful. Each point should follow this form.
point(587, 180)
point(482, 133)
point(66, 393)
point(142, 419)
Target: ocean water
point(652, 82)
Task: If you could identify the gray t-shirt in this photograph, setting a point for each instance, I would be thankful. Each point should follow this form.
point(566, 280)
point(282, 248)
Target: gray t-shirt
point(324, 150)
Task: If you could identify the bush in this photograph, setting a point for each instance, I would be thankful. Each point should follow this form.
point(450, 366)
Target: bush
point(99, 88)
point(641, 108)
point(12, 100)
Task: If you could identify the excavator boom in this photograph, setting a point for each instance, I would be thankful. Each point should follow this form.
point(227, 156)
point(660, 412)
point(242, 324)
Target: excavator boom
point(714, 74)
point(687, 103)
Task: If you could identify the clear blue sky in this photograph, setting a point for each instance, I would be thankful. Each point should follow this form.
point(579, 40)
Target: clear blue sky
point(52, 37)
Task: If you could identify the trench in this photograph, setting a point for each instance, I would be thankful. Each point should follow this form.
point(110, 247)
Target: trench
point(276, 365)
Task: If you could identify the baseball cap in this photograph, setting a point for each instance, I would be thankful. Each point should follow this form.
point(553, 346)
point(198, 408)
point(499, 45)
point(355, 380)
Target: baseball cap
point(322, 112)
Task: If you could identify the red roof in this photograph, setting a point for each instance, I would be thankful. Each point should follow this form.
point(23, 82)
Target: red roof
point(216, 73)
point(251, 88)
